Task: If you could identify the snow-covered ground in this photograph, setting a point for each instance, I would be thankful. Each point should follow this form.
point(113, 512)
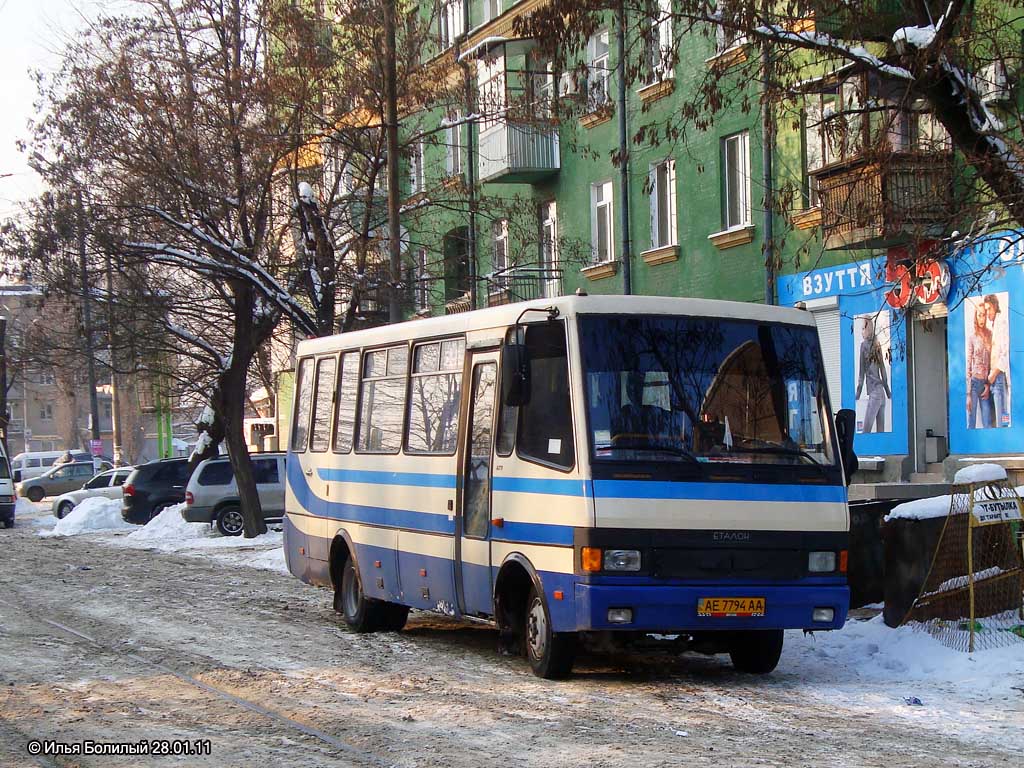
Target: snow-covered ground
point(167, 532)
point(902, 677)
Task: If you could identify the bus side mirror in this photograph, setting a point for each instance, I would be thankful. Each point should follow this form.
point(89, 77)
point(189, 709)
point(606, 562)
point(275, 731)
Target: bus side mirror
point(515, 374)
point(846, 421)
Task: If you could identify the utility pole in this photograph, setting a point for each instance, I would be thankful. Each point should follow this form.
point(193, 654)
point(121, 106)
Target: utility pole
point(620, 71)
point(391, 135)
point(115, 415)
point(90, 357)
point(4, 420)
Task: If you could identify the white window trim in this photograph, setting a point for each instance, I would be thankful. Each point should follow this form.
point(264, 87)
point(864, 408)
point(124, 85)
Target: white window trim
point(658, 238)
point(453, 155)
point(451, 22)
point(661, 36)
point(598, 71)
point(417, 183)
point(743, 137)
point(499, 243)
point(609, 205)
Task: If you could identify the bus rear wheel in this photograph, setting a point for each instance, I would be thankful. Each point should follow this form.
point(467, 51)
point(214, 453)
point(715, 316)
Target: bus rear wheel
point(361, 613)
point(757, 651)
point(551, 654)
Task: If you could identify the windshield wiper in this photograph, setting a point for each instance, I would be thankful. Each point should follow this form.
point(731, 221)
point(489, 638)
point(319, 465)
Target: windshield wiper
point(778, 449)
point(683, 452)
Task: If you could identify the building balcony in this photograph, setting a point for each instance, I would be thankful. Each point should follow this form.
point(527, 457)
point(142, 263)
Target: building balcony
point(884, 201)
point(513, 153)
point(523, 284)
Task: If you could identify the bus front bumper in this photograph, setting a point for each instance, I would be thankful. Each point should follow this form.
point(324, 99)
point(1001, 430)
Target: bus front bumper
point(668, 609)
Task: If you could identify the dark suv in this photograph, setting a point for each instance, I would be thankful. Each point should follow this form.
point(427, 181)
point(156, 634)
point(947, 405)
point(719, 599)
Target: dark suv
point(153, 487)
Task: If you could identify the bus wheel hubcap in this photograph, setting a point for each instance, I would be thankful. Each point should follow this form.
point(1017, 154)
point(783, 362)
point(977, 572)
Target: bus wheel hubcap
point(536, 630)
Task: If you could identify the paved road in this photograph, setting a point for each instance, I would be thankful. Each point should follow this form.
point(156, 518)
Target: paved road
point(121, 645)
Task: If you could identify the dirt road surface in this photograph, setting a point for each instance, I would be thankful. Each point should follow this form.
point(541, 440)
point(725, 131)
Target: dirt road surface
point(121, 645)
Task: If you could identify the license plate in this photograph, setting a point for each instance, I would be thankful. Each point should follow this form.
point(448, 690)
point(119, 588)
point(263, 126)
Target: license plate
point(730, 607)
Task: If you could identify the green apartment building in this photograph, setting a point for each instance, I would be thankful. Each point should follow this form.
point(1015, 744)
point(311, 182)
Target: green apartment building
point(530, 152)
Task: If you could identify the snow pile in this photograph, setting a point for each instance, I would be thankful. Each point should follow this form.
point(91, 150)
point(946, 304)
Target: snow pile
point(980, 473)
point(913, 37)
point(169, 525)
point(269, 560)
point(92, 515)
point(24, 507)
point(921, 509)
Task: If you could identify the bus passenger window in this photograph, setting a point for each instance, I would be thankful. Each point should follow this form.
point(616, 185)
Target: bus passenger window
point(382, 400)
point(545, 422)
point(348, 389)
point(322, 404)
point(434, 397)
point(303, 396)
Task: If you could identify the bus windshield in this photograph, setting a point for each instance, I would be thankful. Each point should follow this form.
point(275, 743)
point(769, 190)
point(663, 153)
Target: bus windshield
point(704, 390)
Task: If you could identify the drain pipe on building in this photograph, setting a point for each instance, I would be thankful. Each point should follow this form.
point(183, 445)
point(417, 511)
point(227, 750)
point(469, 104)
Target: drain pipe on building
point(768, 174)
point(627, 283)
point(468, 86)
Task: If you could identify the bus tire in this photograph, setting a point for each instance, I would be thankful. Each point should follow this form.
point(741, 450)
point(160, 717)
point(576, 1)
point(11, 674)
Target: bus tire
point(756, 652)
point(551, 654)
point(361, 614)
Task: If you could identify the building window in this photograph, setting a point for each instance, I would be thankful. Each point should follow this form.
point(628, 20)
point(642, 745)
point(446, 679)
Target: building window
point(602, 227)
point(663, 204)
point(46, 411)
point(736, 180)
point(491, 100)
point(492, 10)
point(542, 80)
point(453, 145)
point(727, 36)
point(416, 181)
point(550, 273)
point(452, 22)
point(499, 254)
point(659, 42)
point(598, 71)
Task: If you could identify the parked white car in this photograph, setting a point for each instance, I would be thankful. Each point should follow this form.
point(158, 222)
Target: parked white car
point(107, 484)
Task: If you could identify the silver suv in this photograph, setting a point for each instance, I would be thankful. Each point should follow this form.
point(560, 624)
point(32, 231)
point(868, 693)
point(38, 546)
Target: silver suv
point(212, 494)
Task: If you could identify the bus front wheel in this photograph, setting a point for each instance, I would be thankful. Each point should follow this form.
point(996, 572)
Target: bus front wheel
point(757, 651)
point(551, 654)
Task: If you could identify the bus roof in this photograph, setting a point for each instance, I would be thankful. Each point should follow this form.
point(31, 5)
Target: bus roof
point(507, 314)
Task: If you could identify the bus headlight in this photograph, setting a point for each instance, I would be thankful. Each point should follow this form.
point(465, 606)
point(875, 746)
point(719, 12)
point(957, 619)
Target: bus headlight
point(621, 560)
point(821, 562)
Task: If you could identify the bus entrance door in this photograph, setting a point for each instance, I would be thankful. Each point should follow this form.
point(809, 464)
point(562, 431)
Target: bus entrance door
point(474, 547)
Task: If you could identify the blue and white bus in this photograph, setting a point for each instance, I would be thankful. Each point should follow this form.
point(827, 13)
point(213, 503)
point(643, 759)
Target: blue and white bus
point(587, 467)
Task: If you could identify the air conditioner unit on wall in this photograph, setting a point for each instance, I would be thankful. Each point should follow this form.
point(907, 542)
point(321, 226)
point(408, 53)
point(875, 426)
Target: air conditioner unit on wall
point(993, 84)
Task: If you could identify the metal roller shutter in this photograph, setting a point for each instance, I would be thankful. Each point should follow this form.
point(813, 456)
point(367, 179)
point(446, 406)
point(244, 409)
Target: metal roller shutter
point(829, 335)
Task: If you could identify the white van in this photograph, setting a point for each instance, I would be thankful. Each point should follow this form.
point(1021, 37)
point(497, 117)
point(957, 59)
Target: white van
point(7, 500)
point(30, 464)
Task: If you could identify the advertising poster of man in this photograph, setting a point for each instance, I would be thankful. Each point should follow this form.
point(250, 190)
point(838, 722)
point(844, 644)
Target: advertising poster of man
point(987, 345)
point(872, 372)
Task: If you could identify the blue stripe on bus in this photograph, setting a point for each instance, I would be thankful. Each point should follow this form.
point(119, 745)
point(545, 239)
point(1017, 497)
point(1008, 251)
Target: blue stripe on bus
point(420, 479)
point(539, 485)
point(535, 533)
point(424, 522)
point(654, 489)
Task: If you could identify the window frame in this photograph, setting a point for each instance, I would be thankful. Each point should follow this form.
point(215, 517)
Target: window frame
point(451, 23)
point(599, 71)
point(297, 399)
point(595, 209)
point(742, 139)
point(339, 380)
point(500, 244)
point(660, 43)
point(364, 355)
point(454, 165)
point(417, 181)
point(517, 441)
point(657, 239)
point(313, 403)
point(548, 256)
point(460, 372)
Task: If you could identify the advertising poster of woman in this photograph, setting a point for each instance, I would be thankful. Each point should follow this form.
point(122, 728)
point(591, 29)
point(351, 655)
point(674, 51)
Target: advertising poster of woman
point(987, 345)
point(873, 374)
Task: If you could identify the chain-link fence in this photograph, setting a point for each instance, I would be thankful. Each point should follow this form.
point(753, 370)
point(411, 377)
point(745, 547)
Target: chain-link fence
point(972, 597)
